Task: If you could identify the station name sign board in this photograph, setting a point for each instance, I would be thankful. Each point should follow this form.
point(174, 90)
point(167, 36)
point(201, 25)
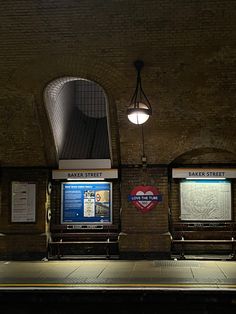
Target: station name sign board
point(85, 174)
point(203, 173)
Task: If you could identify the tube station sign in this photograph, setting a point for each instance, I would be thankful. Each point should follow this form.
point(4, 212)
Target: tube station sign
point(145, 198)
point(203, 173)
point(98, 174)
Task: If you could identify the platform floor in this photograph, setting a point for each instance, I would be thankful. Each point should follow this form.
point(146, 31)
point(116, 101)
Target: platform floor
point(118, 274)
point(118, 287)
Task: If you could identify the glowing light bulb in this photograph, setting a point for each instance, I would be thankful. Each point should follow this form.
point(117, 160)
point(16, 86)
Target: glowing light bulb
point(139, 113)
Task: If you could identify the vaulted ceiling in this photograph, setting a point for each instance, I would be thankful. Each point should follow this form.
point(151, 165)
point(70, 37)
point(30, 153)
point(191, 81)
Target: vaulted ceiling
point(189, 76)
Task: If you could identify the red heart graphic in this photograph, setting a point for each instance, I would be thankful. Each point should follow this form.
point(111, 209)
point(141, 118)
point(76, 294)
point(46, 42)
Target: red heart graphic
point(144, 191)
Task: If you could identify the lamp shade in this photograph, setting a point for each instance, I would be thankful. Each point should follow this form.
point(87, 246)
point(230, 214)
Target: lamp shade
point(140, 109)
point(138, 113)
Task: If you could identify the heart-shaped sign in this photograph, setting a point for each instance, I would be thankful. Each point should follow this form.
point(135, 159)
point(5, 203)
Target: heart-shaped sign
point(145, 197)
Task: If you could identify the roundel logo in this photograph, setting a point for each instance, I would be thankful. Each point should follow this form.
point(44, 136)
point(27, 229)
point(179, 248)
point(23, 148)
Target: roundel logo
point(145, 197)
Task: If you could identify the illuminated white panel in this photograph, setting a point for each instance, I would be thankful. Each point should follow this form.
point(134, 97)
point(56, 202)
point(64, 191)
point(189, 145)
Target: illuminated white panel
point(205, 200)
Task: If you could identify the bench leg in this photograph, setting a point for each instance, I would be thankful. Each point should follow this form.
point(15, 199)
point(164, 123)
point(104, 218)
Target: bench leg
point(107, 251)
point(233, 254)
point(182, 251)
point(59, 251)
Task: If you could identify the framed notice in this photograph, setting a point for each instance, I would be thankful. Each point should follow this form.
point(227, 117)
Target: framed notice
point(205, 200)
point(86, 203)
point(23, 202)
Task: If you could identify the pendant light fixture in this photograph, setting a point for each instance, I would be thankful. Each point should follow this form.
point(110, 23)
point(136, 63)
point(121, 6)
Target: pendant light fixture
point(140, 109)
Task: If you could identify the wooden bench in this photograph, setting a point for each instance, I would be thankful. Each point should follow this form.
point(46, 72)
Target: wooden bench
point(184, 234)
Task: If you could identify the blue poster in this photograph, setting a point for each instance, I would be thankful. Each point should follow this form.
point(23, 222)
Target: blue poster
point(86, 202)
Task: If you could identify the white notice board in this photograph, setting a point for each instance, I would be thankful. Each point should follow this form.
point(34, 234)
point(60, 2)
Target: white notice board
point(205, 200)
point(23, 202)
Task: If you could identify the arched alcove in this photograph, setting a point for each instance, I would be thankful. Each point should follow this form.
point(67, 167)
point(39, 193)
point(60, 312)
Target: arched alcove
point(205, 155)
point(77, 109)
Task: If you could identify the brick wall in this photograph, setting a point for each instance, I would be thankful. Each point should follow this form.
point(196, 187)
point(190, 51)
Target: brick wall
point(189, 73)
point(24, 240)
point(188, 48)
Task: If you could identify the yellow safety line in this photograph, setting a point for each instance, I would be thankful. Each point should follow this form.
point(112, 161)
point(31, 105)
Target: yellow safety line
point(164, 285)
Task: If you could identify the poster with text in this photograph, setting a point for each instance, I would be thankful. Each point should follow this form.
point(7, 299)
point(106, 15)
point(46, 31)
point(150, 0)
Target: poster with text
point(23, 202)
point(86, 202)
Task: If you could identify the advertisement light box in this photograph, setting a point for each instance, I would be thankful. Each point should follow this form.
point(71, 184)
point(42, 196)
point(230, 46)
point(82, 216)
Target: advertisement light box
point(86, 203)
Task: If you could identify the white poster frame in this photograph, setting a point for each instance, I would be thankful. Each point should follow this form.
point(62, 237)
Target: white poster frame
point(227, 216)
point(23, 202)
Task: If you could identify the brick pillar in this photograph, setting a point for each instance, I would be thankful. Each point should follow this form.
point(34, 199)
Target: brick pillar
point(144, 234)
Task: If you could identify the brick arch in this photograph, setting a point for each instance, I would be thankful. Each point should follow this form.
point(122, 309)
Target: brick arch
point(58, 116)
point(205, 155)
point(34, 76)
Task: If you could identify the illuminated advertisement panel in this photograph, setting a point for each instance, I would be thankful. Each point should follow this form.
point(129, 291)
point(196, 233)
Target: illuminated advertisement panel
point(86, 203)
